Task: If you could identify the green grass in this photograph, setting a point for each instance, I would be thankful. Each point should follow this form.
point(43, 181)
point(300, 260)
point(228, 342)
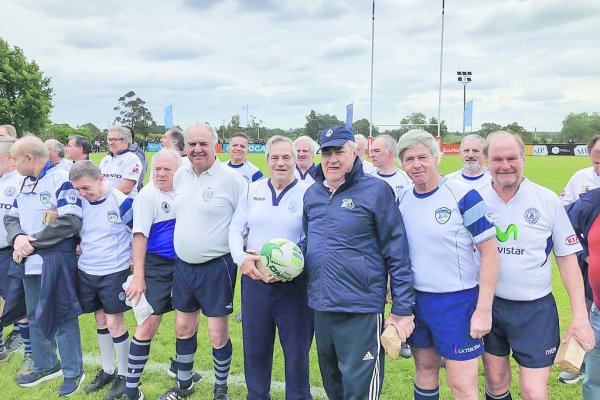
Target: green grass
point(552, 172)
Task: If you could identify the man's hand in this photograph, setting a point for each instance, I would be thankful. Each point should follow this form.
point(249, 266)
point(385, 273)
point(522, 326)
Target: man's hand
point(582, 331)
point(78, 250)
point(17, 258)
point(404, 325)
point(136, 287)
point(23, 245)
point(481, 323)
point(249, 267)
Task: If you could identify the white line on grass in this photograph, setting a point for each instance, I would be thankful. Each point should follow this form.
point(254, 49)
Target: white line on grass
point(234, 379)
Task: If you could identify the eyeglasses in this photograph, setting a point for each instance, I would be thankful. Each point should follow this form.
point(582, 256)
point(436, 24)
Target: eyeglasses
point(113, 140)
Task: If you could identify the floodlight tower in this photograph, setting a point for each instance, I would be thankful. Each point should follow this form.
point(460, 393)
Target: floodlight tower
point(464, 77)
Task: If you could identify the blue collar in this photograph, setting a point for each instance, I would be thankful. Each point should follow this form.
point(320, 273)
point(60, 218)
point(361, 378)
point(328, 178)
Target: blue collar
point(385, 175)
point(308, 171)
point(427, 194)
point(473, 178)
point(46, 168)
point(234, 165)
point(119, 153)
point(276, 199)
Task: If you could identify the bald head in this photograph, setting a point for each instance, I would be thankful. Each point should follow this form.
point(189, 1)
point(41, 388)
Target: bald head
point(8, 130)
point(30, 155)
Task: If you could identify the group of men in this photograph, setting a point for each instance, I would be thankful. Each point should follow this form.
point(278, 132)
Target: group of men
point(466, 257)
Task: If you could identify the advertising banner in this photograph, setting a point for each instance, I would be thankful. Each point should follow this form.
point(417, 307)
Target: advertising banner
point(252, 148)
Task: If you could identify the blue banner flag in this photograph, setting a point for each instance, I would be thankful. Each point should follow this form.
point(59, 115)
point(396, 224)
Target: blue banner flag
point(469, 113)
point(349, 116)
point(169, 116)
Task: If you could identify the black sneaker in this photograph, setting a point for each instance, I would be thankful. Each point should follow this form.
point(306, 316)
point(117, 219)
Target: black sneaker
point(14, 341)
point(102, 379)
point(172, 372)
point(35, 378)
point(140, 396)
point(176, 393)
point(117, 389)
point(71, 385)
point(220, 392)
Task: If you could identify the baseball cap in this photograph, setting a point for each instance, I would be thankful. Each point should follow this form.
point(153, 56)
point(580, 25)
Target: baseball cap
point(335, 136)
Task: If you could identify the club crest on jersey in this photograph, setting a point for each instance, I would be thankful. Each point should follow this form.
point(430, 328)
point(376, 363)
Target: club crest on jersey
point(532, 215)
point(112, 216)
point(442, 215)
point(10, 191)
point(292, 207)
point(347, 203)
point(45, 197)
point(165, 207)
point(399, 189)
point(207, 195)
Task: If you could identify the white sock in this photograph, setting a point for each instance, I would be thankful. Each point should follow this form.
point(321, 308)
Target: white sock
point(105, 343)
point(121, 344)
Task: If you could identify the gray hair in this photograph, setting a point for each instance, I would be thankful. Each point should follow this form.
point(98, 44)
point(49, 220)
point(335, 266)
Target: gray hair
point(359, 137)
point(10, 130)
point(167, 152)
point(214, 135)
point(124, 131)
point(311, 143)
point(390, 143)
point(177, 137)
point(277, 139)
point(496, 134)
point(57, 146)
point(6, 143)
point(472, 136)
point(84, 168)
point(418, 136)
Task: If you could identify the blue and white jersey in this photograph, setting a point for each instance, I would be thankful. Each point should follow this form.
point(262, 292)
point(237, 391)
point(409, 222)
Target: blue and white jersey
point(154, 217)
point(264, 214)
point(476, 182)
point(65, 164)
point(308, 176)
point(443, 227)
point(125, 165)
point(249, 171)
point(10, 183)
point(51, 191)
point(582, 181)
point(398, 180)
point(531, 225)
point(106, 234)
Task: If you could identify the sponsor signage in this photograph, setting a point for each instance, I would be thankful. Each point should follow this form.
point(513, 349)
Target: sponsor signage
point(560, 150)
point(252, 148)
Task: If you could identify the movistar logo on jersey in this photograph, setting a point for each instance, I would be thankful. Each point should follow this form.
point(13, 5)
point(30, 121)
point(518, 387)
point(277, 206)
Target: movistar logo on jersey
point(503, 236)
point(347, 203)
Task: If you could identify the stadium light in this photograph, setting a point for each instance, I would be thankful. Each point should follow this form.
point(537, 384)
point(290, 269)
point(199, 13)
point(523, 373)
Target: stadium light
point(465, 78)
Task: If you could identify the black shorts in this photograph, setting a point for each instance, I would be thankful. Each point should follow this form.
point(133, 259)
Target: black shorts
point(528, 328)
point(5, 258)
point(158, 272)
point(207, 287)
point(103, 292)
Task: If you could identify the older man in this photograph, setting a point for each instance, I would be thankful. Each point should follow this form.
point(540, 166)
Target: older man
point(46, 195)
point(473, 173)
point(238, 150)
point(206, 196)
point(530, 223)
point(121, 168)
point(361, 148)
point(306, 148)
point(8, 130)
point(355, 237)
point(173, 139)
point(56, 152)
point(78, 148)
point(383, 153)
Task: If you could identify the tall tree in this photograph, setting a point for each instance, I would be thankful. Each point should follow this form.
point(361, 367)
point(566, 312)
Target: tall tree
point(580, 127)
point(25, 93)
point(315, 123)
point(132, 112)
point(487, 128)
point(362, 127)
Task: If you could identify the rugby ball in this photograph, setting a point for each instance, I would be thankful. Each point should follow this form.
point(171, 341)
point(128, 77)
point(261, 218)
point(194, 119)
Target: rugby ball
point(282, 258)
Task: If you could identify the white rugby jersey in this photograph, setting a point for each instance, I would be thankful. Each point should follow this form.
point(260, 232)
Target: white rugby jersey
point(51, 191)
point(249, 171)
point(205, 205)
point(443, 227)
point(306, 177)
point(368, 167)
point(476, 182)
point(528, 227)
point(264, 214)
point(154, 217)
point(10, 183)
point(398, 180)
point(106, 234)
point(125, 165)
point(65, 164)
point(582, 181)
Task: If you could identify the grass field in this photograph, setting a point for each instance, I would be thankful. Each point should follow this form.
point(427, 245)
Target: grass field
point(552, 172)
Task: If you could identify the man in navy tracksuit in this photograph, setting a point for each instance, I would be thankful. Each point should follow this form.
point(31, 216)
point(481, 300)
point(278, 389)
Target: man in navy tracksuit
point(355, 237)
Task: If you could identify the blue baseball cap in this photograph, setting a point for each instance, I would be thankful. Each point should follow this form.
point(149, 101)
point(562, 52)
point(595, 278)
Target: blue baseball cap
point(335, 136)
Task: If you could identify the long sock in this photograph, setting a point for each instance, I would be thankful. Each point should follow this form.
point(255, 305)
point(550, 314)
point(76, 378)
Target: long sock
point(185, 348)
point(16, 327)
point(222, 362)
point(138, 356)
point(505, 396)
point(1, 338)
point(121, 344)
point(427, 394)
point(106, 350)
point(24, 331)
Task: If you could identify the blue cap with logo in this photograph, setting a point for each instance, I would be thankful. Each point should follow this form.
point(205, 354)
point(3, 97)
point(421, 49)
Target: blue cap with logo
point(335, 136)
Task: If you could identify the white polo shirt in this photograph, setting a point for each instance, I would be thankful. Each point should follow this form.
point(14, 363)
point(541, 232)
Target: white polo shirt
point(106, 234)
point(249, 171)
point(307, 176)
point(125, 165)
point(264, 214)
point(582, 181)
point(51, 191)
point(476, 182)
point(398, 180)
point(205, 205)
point(154, 217)
point(10, 183)
point(531, 225)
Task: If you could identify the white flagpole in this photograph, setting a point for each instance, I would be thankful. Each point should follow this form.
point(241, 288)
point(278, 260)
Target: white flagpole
point(441, 62)
point(372, 54)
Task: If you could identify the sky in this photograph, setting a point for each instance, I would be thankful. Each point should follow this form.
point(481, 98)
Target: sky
point(533, 61)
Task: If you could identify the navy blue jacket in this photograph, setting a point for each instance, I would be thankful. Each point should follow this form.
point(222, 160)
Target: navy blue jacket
point(354, 239)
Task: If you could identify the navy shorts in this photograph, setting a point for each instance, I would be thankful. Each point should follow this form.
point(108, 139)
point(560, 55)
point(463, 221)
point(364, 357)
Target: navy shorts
point(158, 272)
point(5, 258)
point(443, 321)
point(528, 328)
point(103, 292)
point(207, 287)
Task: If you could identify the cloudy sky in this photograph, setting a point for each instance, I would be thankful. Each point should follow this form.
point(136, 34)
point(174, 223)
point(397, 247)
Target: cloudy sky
point(533, 61)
